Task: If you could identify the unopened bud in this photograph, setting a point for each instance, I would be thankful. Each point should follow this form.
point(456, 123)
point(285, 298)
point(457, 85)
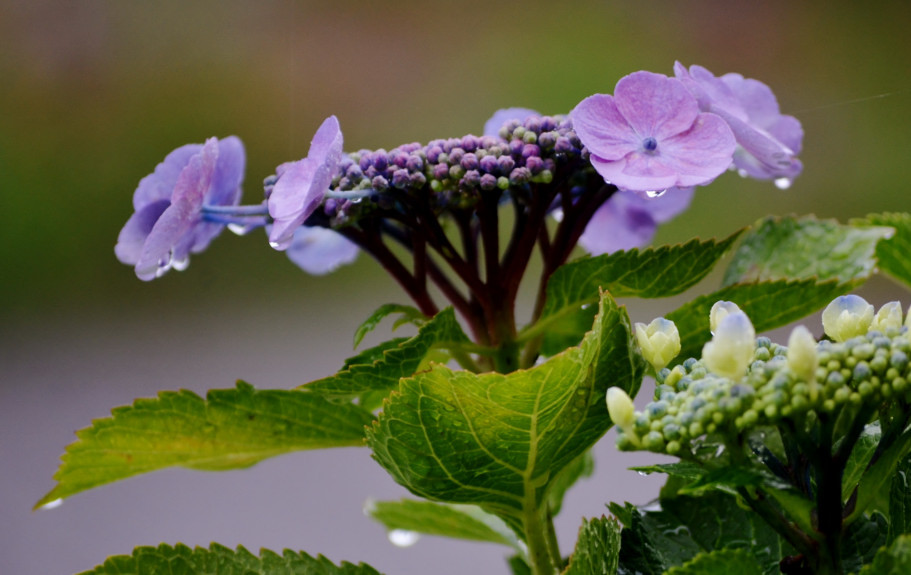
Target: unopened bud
point(721, 310)
point(659, 341)
point(888, 316)
point(621, 409)
point(731, 350)
point(846, 317)
point(803, 359)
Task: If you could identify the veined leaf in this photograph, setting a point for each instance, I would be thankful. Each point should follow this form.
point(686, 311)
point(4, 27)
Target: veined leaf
point(790, 248)
point(722, 561)
point(900, 500)
point(892, 560)
point(862, 540)
point(877, 476)
point(219, 560)
point(409, 314)
point(893, 253)
point(597, 548)
point(230, 429)
point(396, 362)
point(768, 304)
point(650, 273)
point(499, 441)
point(456, 521)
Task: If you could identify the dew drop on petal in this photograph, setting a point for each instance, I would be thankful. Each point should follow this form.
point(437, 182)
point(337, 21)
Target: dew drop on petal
point(239, 229)
point(655, 193)
point(274, 245)
point(557, 214)
point(52, 504)
point(783, 183)
point(743, 173)
point(180, 265)
point(403, 537)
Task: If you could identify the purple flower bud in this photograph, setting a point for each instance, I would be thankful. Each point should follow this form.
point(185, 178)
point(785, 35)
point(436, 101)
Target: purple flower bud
point(470, 143)
point(379, 183)
point(547, 140)
point(469, 162)
point(415, 163)
point(534, 164)
point(471, 179)
point(533, 123)
point(433, 153)
point(455, 155)
point(508, 118)
point(399, 158)
point(488, 182)
point(506, 164)
point(519, 176)
point(379, 160)
point(354, 172)
point(365, 162)
point(563, 145)
point(401, 179)
point(370, 172)
point(547, 124)
point(489, 164)
point(529, 150)
point(515, 147)
point(418, 179)
point(441, 171)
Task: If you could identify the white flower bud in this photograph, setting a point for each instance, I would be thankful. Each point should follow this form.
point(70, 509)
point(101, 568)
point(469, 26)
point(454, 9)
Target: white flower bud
point(621, 409)
point(802, 357)
point(731, 350)
point(889, 315)
point(659, 341)
point(719, 311)
point(846, 317)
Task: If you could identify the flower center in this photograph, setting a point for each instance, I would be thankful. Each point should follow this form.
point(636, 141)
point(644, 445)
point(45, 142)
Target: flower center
point(650, 144)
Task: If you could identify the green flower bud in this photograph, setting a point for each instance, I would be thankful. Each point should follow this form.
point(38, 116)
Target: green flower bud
point(803, 359)
point(846, 317)
point(731, 350)
point(659, 341)
point(621, 409)
point(888, 316)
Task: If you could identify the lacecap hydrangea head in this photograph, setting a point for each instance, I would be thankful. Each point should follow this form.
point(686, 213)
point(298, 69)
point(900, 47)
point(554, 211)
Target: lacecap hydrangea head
point(798, 383)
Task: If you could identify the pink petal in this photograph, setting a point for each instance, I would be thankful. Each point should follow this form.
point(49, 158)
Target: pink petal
point(602, 129)
point(655, 105)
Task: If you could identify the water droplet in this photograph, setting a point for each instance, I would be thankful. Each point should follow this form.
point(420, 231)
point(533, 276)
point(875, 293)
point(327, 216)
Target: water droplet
point(719, 451)
point(642, 473)
point(783, 183)
point(655, 193)
point(239, 229)
point(180, 265)
point(355, 200)
point(403, 537)
point(274, 245)
point(557, 215)
point(53, 504)
point(743, 173)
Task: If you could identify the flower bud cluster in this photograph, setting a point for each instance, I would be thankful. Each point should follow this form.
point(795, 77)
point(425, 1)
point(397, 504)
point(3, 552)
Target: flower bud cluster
point(452, 173)
point(691, 401)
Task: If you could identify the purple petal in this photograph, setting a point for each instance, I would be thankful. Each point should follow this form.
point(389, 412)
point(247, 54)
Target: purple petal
point(603, 130)
point(701, 154)
point(303, 185)
point(655, 105)
point(186, 204)
point(159, 185)
point(319, 251)
point(500, 117)
point(637, 172)
point(136, 231)
point(617, 225)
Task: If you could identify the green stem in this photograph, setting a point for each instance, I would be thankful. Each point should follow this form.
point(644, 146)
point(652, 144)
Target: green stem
point(539, 552)
point(553, 545)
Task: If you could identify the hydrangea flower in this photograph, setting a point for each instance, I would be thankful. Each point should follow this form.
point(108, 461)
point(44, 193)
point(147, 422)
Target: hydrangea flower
point(500, 117)
point(628, 220)
point(768, 141)
point(650, 135)
point(846, 317)
point(319, 251)
point(659, 341)
point(168, 223)
point(730, 351)
point(302, 185)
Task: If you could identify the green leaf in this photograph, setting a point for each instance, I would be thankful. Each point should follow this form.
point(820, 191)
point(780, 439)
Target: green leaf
point(375, 353)
point(862, 540)
point(683, 469)
point(768, 304)
point(792, 248)
point(409, 313)
point(231, 428)
point(900, 501)
point(650, 273)
point(597, 548)
point(892, 560)
point(582, 467)
point(860, 457)
point(879, 474)
point(443, 331)
point(219, 560)
point(499, 441)
point(455, 521)
point(893, 252)
point(722, 561)
point(685, 526)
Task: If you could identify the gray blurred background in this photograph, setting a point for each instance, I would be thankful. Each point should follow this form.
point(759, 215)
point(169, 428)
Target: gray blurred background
point(93, 94)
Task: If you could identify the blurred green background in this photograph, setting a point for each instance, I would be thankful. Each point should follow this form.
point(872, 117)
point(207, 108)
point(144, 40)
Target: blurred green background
point(93, 94)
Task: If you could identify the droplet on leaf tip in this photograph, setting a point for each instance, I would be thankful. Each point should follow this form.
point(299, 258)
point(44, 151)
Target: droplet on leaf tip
point(403, 537)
